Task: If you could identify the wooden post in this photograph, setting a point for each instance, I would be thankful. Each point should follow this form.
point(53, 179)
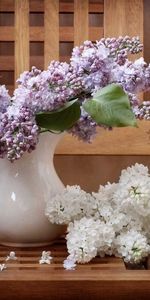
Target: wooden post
point(51, 40)
point(21, 36)
point(80, 21)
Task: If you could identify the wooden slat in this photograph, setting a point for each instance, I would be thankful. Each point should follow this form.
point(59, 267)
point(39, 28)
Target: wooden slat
point(66, 34)
point(93, 7)
point(38, 6)
point(119, 141)
point(96, 7)
point(96, 33)
point(7, 62)
point(80, 21)
point(21, 36)
point(7, 33)
point(102, 278)
point(51, 38)
point(37, 61)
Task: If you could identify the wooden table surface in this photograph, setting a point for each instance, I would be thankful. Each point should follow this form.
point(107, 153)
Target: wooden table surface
point(103, 278)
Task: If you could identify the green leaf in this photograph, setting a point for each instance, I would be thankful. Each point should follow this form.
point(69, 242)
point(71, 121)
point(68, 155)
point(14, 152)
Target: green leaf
point(110, 106)
point(61, 119)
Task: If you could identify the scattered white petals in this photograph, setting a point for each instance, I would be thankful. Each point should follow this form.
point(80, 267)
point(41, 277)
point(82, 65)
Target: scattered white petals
point(45, 258)
point(2, 267)
point(11, 256)
point(69, 264)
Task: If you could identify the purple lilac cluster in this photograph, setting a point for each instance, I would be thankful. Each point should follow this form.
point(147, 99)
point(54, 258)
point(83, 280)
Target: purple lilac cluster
point(120, 47)
point(4, 99)
point(37, 91)
point(18, 134)
point(99, 64)
point(85, 128)
point(92, 63)
point(134, 77)
point(104, 62)
point(92, 67)
point(47, 90)
point(143, 111)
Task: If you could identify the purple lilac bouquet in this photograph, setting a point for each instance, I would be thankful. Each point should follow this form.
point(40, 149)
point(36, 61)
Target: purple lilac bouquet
point(98, 87)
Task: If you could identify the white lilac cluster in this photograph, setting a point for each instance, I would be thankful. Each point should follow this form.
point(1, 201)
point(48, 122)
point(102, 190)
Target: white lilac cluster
point(92, 66)
point(132, 246)
point(113, 221)
point(72, 204)
point(83, 239)
point(88, 237)
point(133, 193)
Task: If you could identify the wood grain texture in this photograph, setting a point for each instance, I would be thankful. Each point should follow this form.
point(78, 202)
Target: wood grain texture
point(123, 17)
point(38, 6)
point(37, 34)
point(119, 141)
point(21, 36)
point(91, 171)
point(80, 21)
point(103, 278)
point(51, 31)
point(7, 62)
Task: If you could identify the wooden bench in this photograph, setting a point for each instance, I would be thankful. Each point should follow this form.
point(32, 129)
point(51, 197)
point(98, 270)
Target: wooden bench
point(103, 278)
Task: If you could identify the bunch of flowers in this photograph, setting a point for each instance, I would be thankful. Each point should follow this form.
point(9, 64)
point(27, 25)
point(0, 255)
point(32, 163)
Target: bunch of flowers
point(80, 205)
point(97, 88)
point(113, 221)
